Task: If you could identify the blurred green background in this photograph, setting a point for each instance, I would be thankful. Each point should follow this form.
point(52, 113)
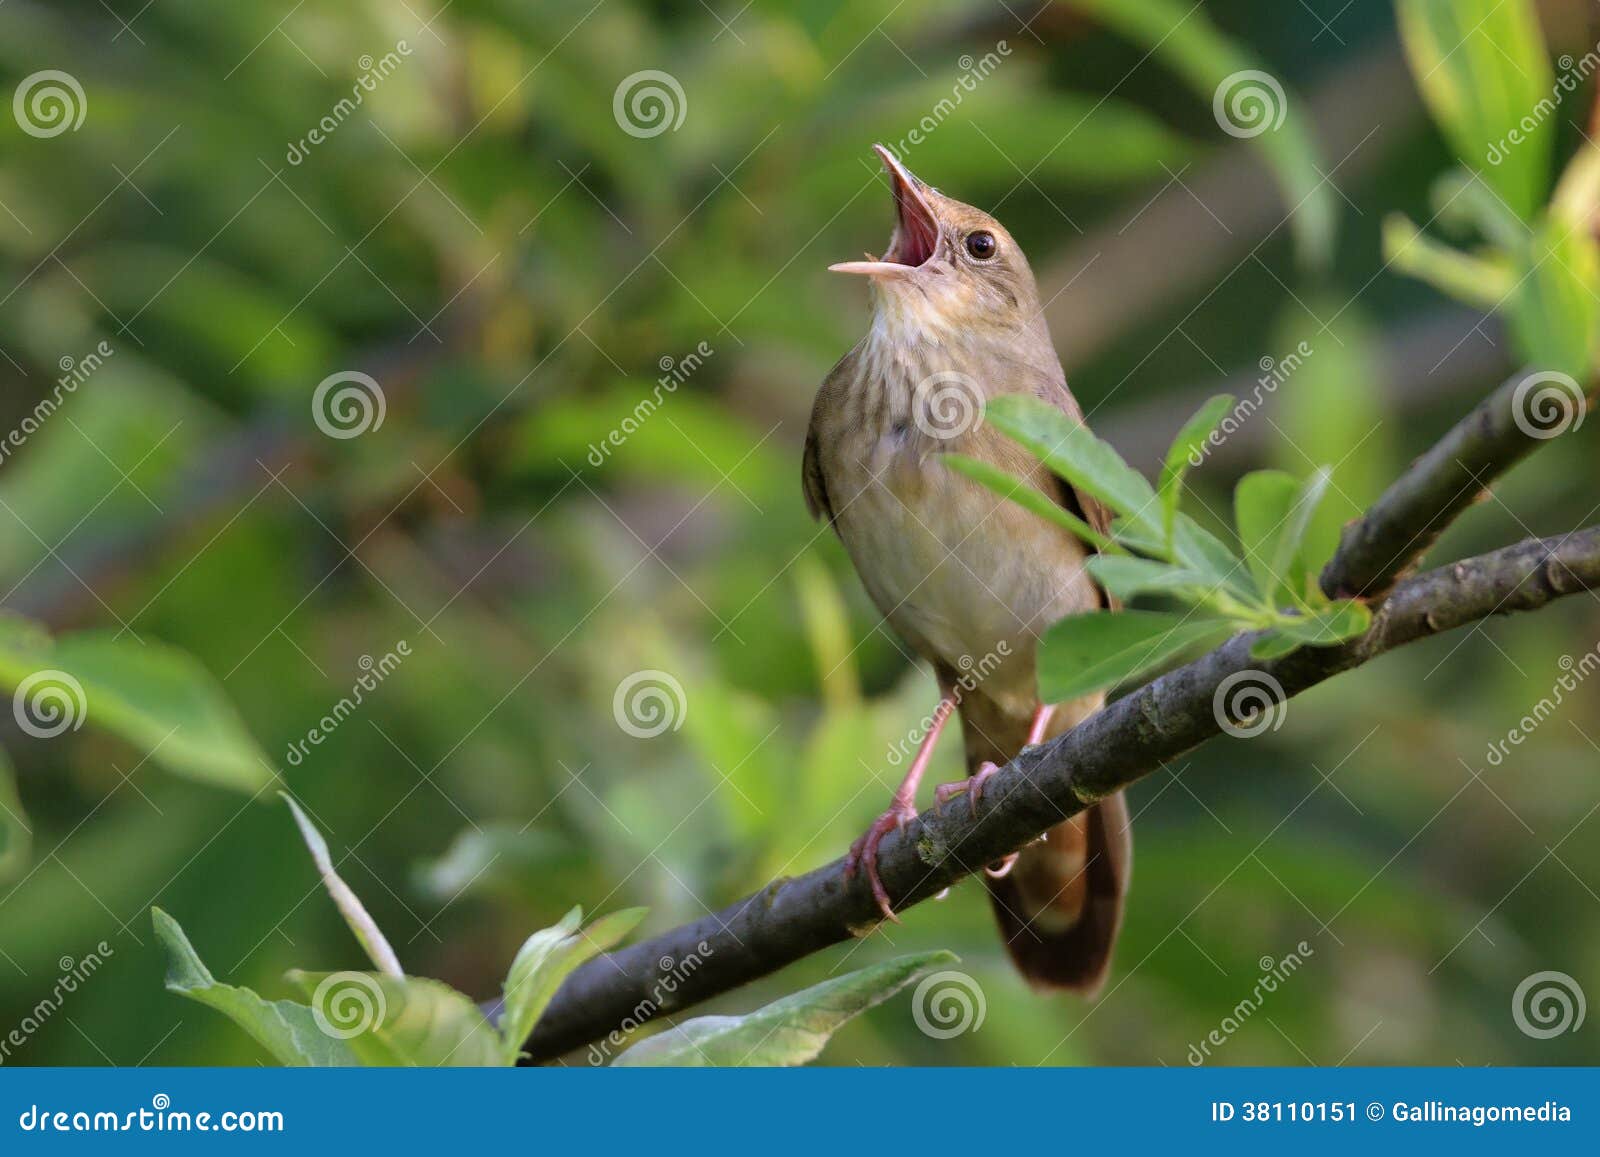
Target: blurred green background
point(484, 238)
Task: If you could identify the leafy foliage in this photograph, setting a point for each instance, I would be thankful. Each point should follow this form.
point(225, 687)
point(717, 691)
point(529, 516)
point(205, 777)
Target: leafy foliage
point(1157, 549)
point(790, 1031)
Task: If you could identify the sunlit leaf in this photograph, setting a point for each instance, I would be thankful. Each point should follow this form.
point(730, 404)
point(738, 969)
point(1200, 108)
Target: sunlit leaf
point(402, 1021)
point(289, 1031)
point(1484, 72)
point(1189, 443)
point(545, 960)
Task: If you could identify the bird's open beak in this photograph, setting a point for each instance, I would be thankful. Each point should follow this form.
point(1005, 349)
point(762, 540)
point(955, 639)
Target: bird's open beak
point(916, 233)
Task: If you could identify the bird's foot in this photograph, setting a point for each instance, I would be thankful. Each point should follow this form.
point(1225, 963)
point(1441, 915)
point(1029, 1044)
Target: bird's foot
point(864, 852)
point(973, 786)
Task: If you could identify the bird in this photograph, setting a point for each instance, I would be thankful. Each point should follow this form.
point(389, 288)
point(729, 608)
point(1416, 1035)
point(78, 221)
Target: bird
point(969, 580)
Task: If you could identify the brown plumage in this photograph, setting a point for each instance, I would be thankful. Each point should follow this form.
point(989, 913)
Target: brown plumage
point(969, 580)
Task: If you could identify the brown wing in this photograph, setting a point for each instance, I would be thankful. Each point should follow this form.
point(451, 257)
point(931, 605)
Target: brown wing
point(811, 479)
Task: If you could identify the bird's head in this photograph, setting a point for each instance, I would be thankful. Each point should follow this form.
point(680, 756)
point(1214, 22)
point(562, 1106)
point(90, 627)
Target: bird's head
point(948, 264)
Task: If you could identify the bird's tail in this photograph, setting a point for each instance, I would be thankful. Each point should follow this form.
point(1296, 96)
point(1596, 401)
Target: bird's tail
point(1060, 905)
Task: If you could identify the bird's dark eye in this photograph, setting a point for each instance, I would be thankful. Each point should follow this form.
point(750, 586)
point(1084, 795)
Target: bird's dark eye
point(981, 245)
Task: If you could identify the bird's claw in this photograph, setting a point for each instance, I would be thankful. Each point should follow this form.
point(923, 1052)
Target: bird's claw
point(973, 786)
point(865, 852)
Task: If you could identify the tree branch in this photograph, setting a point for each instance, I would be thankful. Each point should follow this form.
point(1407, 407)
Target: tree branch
point(792, 918)
point(1414, 511)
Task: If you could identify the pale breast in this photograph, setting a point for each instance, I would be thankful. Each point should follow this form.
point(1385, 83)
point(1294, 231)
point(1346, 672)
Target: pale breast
point(967, 578)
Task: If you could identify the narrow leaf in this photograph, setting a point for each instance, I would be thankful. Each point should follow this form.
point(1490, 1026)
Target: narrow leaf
point(1185, 448)
point(1065, 445)
point(1126, 577)
point(1330, 625)
point(1484, 72)
point(545, 960)
point(1082, 654)
point(289, 1031)
point(790, 1031)
point(349, 904)
point(1027, 496)
point(1262, 504)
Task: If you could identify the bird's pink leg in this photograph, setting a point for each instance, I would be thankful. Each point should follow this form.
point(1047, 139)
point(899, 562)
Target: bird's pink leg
point(973, 785)
point(902, 809)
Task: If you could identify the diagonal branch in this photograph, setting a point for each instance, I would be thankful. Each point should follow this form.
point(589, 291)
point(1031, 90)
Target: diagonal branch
point(1411, 514)
point(792, 918)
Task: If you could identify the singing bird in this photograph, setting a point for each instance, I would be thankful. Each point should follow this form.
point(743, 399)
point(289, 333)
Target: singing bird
point(966, 578)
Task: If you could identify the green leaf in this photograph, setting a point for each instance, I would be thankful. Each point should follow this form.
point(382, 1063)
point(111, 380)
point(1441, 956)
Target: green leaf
point(545, 960)
point(1065, 445)
point(1273, 645)
point(1203, 552)
point(1475, 280)
point(355, 914)
point(155, 696)
point(1330, 625)
point(1288, 559)
point(1126, 577)
point(790, 1031)
point(289, 1031)
point(1263, 502)
point(1555, 313)
point(1233, 82)
point(1025, 495)
point(16, 837)
point(1189, 444)
point(1082, 654)
point(407, 1021)
point(1483, 70)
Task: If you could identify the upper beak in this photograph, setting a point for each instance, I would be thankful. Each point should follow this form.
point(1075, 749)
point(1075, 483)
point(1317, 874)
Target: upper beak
point(916, 232)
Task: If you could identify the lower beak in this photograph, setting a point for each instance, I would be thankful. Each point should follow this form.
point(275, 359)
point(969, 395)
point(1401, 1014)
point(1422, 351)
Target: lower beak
point(916, 229)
